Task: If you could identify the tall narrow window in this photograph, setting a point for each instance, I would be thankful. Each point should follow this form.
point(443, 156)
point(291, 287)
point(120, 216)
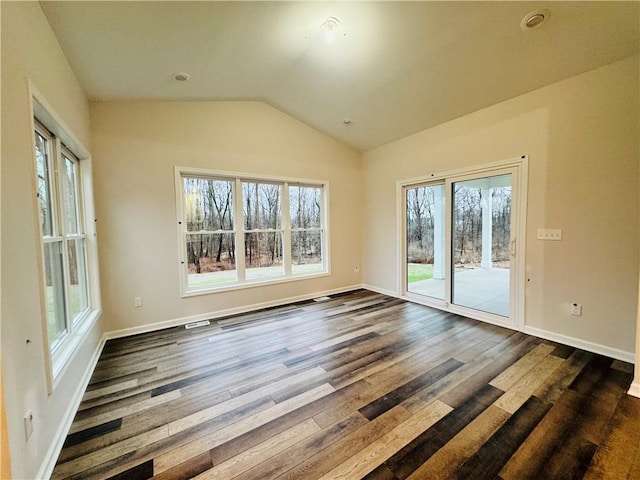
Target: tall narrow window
point(209, 240)
point(52, 240)
point(74, 236)
point(62, 226)
point(262, 209)
point(237, 230)
point(305, 204)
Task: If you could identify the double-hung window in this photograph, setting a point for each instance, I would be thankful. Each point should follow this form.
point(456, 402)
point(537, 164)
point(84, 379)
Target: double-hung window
point(64, 242)
point(238, 231)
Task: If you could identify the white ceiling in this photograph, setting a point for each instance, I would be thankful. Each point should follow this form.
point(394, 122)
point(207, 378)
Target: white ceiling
point(394, 68)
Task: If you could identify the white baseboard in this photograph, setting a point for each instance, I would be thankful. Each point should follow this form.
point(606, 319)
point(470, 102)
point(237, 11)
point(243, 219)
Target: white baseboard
point(176, 322)
point(49, 462)
point(634, 389)
point(383, 291)
point(583, 344)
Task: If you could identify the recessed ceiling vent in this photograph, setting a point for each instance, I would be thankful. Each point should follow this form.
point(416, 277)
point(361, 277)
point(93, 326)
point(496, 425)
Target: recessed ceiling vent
point(535, 19)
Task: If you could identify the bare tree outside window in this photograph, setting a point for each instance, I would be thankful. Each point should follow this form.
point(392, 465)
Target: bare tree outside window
point(306, 231)
point(263, 228)
point(209, 224)
point(227, 217)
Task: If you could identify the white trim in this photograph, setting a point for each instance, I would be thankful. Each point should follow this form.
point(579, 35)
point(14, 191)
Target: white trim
point(634, 390)
point(254, 283)
point(465, 171)
point(47, 115)
point(582, 344)
point(383, 291)
point(176, 322)
point(225, 175)
point(51, 457)
point(57, 360)
point(65, 356)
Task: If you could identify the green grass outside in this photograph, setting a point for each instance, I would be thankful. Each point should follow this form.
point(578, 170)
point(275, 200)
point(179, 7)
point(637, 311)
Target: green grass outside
point(419, 271)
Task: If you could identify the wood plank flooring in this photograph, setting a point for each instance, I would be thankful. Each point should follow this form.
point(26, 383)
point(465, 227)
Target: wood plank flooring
point(362, 386)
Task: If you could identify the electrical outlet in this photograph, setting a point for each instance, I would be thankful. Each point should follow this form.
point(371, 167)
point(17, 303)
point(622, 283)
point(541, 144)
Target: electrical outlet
point(549, 234)
point(137, 302)
point(576, 309)
point(28, 425)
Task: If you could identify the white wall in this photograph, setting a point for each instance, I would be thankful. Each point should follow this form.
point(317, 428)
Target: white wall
point(30, 51)
point(135, 146)
point(582, 137)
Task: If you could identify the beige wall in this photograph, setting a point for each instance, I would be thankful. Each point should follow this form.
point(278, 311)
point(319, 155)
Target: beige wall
point(135, 146)
point(582, 139)
point(581, 136)
point(30, 50)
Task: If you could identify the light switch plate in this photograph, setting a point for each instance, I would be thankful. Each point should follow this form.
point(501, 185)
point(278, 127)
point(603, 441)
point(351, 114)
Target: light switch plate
point(549, 234)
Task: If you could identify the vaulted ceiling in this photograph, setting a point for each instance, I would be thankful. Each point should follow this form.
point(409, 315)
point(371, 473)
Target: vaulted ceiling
point(393, 68)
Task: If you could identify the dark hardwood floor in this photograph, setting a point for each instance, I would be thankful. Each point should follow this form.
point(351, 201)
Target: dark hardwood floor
point(361, 386)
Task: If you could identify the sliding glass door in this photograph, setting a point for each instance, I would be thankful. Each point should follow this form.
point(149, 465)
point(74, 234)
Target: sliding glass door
point(481, 238)
point(460, 242)
point(425, 214)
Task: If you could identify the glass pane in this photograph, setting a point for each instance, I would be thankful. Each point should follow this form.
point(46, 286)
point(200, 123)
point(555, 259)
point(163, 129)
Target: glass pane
point(208, 204)
point(306, 252)
point(78, 295)
point(211, 259)
point(54, 291)
point(263, 254)
point(70, 196)
point(262, 206)
point(425, 213)
point(304, 205)
point(44, 187)
point(481, 237)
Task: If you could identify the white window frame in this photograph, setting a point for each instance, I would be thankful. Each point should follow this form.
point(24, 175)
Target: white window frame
point(239, 230)
point(59, 353)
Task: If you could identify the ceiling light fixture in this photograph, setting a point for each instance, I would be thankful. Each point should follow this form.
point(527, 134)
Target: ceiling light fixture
point(329, 28)
point(181, 77)
point(534, 19)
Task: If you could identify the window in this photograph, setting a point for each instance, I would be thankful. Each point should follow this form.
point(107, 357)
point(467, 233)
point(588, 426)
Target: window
point(237, 231)
point(64, 243)
point(306, 228)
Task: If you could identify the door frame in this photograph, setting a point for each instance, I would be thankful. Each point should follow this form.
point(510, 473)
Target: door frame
point(519, 165)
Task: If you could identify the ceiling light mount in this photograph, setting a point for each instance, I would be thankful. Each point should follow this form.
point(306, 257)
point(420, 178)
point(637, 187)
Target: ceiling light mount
point(535, 19)
point(329, 27)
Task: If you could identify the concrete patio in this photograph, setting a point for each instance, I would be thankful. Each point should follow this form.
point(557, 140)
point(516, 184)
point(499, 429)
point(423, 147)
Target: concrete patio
point(485, 289)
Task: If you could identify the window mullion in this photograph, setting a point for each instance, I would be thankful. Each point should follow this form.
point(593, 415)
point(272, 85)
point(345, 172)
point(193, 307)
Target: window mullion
point(61, 225)
point(238, 220)
point(286, 226)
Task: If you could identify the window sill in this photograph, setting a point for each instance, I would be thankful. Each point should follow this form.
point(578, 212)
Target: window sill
point(64, 355)
point(251, 284)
